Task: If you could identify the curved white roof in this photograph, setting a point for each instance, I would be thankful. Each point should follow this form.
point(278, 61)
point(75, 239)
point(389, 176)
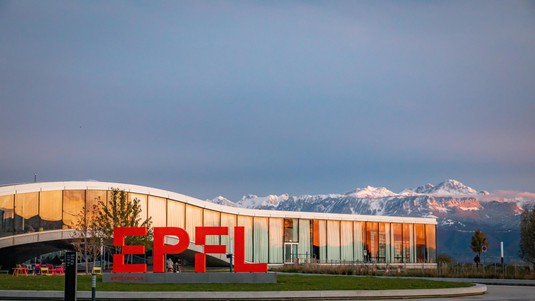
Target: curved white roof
point(94, 185)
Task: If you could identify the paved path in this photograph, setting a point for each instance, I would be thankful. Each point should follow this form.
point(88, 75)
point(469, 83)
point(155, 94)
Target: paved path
point(495, 293)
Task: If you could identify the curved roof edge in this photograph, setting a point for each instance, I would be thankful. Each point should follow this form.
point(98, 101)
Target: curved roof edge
point(95, 185)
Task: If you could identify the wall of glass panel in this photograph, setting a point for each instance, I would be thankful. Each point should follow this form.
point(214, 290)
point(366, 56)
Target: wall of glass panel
point(73, 202)
point(158, 211)
point(384, 228)
point(430, 232)
point(7, 214)
point(304, 248)
point(247, 223)
point(359, 234)
point(276, 226)
point(260, 237)
point(143, 203)
point(176, 212)
point(372, 241)
point(50, 208)
point(92, 199)
point(228, 220)
point(212, 219)
point(333, 240)
point(26, 212)
point(322, 233)
point(346, 241)
point(420, 243)
point(194, 218)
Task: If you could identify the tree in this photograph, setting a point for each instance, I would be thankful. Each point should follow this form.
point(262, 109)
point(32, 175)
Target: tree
point(479, 240)
point(120, 212)
point(86, 238)
point(527, 235)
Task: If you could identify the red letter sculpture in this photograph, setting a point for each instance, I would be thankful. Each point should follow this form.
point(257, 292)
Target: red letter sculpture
point(239, 255)
point(119, 241)
point(200, 239)
point(160, 249)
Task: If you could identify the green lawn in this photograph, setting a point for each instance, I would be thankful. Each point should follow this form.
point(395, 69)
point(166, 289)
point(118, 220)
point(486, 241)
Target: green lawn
point(284, 283)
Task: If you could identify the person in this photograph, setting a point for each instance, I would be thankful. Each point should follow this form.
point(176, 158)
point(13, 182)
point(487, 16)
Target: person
point(170, 265)
point(178, 263)
point(476, 260)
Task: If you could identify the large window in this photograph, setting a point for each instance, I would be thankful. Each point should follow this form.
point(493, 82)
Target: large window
point(228, 220)
point(333, 241)
point(430, 231)
point(291, 230)
point(420, 242)
point(175, 214)
point(6, 214)
point(407, 242)
point(50, 208)
point(346, 237)
point(305, 230)
point(158, 211)
point(372, 241)
point(73, 202)
point(261, 239)
point(319, 243)
point(359, 232)
point(212, 219)
point(382, 242)
point(193, 219)
point(397, 230)
point(275, 239)
point(247, 223)
point(143, 203)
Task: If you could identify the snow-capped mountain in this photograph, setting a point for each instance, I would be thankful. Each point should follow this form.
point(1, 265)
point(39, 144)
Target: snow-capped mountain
point(371, 192)
point(459, 209)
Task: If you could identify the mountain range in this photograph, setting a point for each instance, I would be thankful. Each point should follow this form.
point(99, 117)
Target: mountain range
point(460, 210)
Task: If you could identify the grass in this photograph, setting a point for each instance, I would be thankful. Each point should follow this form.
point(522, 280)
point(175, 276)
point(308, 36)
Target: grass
point(284, 283)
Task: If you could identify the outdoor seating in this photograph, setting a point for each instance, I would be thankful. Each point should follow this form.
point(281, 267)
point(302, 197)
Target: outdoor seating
point(45, 271)
point(20, 270)
point(97, 270)
point(59, 270)
point(37, 269)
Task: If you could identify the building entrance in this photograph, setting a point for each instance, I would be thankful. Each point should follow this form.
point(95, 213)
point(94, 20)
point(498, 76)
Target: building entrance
point(290, 252)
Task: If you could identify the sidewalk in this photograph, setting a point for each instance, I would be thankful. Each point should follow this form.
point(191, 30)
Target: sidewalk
point(271, 295)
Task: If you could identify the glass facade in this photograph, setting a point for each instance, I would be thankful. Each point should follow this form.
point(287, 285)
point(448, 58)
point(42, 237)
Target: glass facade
point(271, 239)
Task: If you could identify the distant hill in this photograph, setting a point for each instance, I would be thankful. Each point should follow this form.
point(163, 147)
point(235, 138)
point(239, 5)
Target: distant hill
point(459, 209)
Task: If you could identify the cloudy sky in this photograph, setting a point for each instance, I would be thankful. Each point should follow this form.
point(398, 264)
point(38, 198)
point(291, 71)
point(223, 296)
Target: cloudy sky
point(211, 98)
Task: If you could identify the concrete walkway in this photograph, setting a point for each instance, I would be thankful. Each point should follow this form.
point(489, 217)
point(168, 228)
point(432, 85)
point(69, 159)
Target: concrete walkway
point(276, 295)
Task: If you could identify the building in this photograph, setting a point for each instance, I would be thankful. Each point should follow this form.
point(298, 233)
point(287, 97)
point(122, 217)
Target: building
point(44, 214)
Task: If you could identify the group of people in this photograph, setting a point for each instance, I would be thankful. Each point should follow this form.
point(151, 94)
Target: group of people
point(173, 267)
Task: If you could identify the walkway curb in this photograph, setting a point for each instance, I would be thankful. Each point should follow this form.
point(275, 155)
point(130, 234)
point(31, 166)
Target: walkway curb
point(477, 289)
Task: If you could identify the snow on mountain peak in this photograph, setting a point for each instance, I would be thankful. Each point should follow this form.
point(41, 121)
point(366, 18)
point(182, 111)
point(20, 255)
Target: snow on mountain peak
point(221, 200)
point(371, 192)
point(452, 187)
point(254, 201)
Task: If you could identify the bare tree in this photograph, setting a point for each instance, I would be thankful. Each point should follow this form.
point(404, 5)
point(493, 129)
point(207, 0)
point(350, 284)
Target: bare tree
point(86, 239)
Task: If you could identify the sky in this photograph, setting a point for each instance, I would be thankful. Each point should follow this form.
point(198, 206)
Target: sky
point(210, 98)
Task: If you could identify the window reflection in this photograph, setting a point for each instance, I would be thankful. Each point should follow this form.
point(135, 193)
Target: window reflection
point(7, 214)
point(51, 206)
point(26, 212)
point(73, 202)
point(398, 242)
point(420, 242)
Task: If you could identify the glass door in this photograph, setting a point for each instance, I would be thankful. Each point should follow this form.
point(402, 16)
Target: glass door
point(290, 252)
